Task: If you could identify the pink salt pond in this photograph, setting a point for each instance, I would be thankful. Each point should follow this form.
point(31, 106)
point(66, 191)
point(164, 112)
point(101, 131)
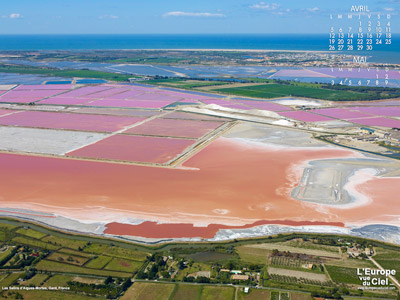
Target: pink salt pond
point(86, 122)
point(304, 116)
point(378, 121)
point(175, 128)
point(341, 113)
point(134, 148)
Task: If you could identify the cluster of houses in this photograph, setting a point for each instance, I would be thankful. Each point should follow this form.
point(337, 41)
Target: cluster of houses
point(239, 275)
point(393, 135)
point(356, 252)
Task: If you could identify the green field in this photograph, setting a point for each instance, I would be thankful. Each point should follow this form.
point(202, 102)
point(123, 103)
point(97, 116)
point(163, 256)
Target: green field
point(275, 295)
point(254, 294)
point(186, 291)
point(5, 253)
point(75, 252)
point(343, 275)
point(66, 258)
point(31, 233)
point(123, 265)
point(35, 243)
point(253, 255)
point(65, 73)
point(217, 293)
point(209, 257)
point(306, 90)
point(309, 245)
point(47, 265)
point(10, 279)
point(148, 291)
point(300, 296)
point(53, 295)
point(96, 248)
point(35, 280)
point(98, 262)
point(388, 259)
point(185, 84)
point(7, 226)
point(58, 280)
point(126, 253)
point(69, 243)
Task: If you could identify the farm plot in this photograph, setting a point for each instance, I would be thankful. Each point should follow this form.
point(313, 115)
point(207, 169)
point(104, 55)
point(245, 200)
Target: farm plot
point(148, 291)
point(185, 292)
point(69, 259)
point(297, 274)
point(98, 262)
point(123, 265)
point(217, 293)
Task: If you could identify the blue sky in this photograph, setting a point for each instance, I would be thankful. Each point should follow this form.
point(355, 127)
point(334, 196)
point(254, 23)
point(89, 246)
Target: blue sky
point(173, 16)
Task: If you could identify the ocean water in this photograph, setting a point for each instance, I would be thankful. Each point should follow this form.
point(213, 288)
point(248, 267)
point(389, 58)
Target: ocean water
point(315, 42)
point(165, 41)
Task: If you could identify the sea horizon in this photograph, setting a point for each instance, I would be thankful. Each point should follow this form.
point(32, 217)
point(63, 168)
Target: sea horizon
point(216, 41)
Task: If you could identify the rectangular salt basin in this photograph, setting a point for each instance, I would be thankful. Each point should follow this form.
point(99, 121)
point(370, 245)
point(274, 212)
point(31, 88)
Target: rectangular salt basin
point(156, 97)
point(378, 121)
point(32, 94)
point(106, 93)
point(134, 149)
point(64, 101)
point(380, 111)
point(341, 113)
point(129, 103)
point(86, 90)
point(45, 141)
point(4, 112)
point(264, 105)
point(117, 112)
point(19, 100)
point(304, 116)
point(44, 87)
point(175, 128)
point(70, 121)
point(373, 103)
point(126, 95)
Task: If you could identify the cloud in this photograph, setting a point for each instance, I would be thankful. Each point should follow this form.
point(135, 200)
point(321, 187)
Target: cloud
point(15, 16)
point(314, 9)
point(108, 17)
point(193, 14)
point(265, 6)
